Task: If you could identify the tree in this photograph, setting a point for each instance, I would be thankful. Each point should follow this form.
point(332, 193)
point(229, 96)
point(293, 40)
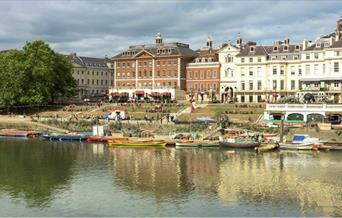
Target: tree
point(34, 75)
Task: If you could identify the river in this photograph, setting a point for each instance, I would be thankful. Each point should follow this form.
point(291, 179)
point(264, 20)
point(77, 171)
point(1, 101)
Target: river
point(41, 178)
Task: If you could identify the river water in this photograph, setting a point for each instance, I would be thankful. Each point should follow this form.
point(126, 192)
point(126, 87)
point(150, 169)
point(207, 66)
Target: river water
point(40, 178)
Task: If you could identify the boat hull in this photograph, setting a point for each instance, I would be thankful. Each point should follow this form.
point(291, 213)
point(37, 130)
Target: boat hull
point(65, 137)
point(240, 144)
point(119, 143)
point(267, 147)
point(308, 146)
point(194, 144)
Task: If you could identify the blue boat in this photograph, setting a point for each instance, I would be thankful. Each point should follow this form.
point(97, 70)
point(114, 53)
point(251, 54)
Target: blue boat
point(61, 137)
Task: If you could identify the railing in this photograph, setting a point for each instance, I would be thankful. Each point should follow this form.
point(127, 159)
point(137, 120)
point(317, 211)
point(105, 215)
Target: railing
point(304, 107)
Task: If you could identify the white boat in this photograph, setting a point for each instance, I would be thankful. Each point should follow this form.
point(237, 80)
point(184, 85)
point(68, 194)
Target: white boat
point(302, 142)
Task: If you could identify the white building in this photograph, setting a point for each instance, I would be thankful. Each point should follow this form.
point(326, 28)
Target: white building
point(260, 73)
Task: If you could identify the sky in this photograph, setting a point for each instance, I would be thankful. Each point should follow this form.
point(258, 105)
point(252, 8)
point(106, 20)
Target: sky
point(98, 28)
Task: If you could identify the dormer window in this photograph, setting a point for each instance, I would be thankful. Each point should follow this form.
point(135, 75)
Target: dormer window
point(326, 44)
point(251, 49)
point(318, 45)
point(297, 47)
point(275, 48)
point(158, 51)
point(169, 51)
point(285, 48)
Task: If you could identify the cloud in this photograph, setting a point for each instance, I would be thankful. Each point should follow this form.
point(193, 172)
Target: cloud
point(98, 28)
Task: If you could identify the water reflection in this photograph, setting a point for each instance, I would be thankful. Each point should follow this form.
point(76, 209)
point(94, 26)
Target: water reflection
point(307, 183)
point(33, 171)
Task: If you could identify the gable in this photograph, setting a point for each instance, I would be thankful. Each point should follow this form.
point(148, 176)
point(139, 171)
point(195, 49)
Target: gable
point(143, 54)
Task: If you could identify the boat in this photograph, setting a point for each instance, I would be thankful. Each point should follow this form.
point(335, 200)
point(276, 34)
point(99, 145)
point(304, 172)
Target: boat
point(136, 143)
point(18, 133)
point(65, 137)
point(303, 142)
point(266, 147)
point(196, 144)
point(239, 142)
point(104, 139)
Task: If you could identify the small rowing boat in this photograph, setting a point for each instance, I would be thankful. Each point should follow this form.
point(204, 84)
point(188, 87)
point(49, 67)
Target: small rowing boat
point(266, 147)
point(136, 143)
point(239, 142)
point(18, 133)
point(197, 144)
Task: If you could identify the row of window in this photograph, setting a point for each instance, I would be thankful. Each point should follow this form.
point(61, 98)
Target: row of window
point(97, 73)
point(147, 63)
point(147, 84)
point(93, 82)
point(146, 74)
point(274, 85)
point(209, 74)
point(204, 60)
point(202, 87)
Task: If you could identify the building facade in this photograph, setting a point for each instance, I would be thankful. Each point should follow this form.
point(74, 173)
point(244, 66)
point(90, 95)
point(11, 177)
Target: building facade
point(142, 69)
point(203, 74)
point(321, 64)
point(94, 76)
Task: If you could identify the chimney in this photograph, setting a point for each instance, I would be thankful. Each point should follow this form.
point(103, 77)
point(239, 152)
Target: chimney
point(305, 44)
point(287, 41)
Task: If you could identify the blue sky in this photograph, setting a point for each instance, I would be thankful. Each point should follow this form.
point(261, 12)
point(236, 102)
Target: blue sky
point(98, 28)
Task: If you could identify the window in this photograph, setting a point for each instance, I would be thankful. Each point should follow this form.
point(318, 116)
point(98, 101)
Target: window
point(88, 81)
point(123, 64)
point(242, 60)
point(282, 70)
point(214, 86)
point(297, 47)
point(293, 70)
point(189, 74)
point(92, 82)
point(274, 84)
point(201, 74)
point(285, 48)
point(82, 81)
point(259, 59)
point(275, 48)
point(242, 71)
point(274, 70)
point(337, 53)
point(214, 74)
point(307, 56)
point(251, 98)
point(336, 84)
point(208, 74)
point(250, 60)
point(250, 85)
point(307, 69)
point(336, 67)
point(119, 64)
point(282, 84)
point(316, 55)
point(242, 85)
point(252, 48)
point(259, 85)
point(242, 98)
point(228, 58)
point(315, 69)
point(158, 63)
point(299, 71)
point(259, 71)
point(196, 76)
point(251, 71)
point(259, 98)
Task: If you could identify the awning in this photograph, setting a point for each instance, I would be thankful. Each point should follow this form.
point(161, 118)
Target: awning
point(166, 94)
point(155, 94)
point(114, 94)
point(139, 92)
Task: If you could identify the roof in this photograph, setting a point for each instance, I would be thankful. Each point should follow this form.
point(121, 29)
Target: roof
point(269, 50)
point(89, 61)
point(158, 50)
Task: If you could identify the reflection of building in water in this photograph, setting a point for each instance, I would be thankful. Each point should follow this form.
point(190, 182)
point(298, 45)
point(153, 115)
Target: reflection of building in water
point(280, 179)
point(166, 172)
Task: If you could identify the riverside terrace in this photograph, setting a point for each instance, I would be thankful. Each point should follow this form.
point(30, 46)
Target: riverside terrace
point(302, 112)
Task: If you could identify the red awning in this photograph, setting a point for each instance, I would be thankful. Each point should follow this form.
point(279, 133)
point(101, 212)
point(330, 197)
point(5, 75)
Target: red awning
point(139, 92)
point(166, 94)
point(155, 94)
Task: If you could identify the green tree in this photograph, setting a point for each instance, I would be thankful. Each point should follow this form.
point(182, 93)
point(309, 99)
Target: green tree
point(34, 75)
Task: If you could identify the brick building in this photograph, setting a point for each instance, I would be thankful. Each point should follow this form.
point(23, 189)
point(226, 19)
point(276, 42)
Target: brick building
point(203, 74)
point(152, 68)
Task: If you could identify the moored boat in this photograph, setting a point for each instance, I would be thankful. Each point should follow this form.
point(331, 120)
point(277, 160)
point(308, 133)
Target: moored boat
point(65, 137)
point(239, 142)
point(302, 142)
point(196, 144)
point(18, 133)
point(266, 147)
point(136, 143)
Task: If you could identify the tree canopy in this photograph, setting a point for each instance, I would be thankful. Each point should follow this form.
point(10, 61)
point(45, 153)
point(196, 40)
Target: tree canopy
point(34, 75)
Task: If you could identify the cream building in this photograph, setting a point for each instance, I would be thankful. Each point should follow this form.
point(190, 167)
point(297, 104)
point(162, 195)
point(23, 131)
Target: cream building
point(260, 73)
point(94, 76)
